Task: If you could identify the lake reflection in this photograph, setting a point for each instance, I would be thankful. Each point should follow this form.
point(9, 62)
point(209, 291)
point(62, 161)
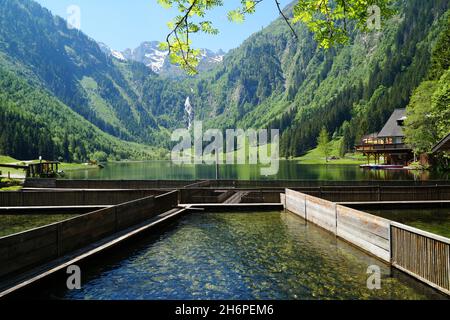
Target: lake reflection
point(289, 170)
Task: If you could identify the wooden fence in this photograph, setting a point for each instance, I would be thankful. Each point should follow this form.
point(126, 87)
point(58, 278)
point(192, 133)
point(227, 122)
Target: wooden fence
point(72, 198)
point(380, 193)
point(369, 232)
point(107, 184)
point(332, 194)
point(292, 184)
point(364, 230)
point(421, 254)
point(149, 184)
point(35, 247)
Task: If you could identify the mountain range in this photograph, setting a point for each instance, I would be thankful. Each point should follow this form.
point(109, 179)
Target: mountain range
point(149, 54)
point(64, 95)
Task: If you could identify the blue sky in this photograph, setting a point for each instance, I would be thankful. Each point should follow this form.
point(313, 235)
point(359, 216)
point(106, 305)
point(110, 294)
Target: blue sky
point(125, 24)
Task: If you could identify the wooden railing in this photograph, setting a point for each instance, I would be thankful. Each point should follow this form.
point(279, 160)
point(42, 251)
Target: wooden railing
point(421, 254)
point(382, 147)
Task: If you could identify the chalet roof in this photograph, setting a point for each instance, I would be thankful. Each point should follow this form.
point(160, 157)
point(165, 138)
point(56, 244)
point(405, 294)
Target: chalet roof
point(392, 127)
point(443, 145)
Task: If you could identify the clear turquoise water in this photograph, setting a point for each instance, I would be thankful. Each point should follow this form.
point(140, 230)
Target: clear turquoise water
point(288, 170)
point(240, 256)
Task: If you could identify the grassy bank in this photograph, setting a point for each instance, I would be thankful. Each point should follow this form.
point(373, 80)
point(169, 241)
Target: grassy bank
point(6, 159)
point(13, 173)
point(76, 166)
point(315, 156)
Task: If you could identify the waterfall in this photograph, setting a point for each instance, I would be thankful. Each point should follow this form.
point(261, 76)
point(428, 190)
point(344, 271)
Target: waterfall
point(189, 111)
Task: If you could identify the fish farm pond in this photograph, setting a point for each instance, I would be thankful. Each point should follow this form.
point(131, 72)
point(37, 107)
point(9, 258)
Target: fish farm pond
point(257, 255)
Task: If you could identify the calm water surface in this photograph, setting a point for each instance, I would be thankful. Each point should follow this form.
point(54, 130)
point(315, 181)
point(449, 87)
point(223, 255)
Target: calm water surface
point(288, 170)
point(435, 220)
point(240, 256)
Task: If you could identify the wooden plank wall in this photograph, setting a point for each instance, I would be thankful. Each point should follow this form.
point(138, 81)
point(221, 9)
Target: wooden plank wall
point(318, 211)
point(290, 184)
point(24, 250)
point(321, 212)
point(283, 200)
point(382, 193)
point(195, 195)
point(367, 232)
point(421, 254)
point(148, 184)
point(262, 196)
point(296, 203)
point(27, 249)
point(65, 198)
point(371, 233)
point(120, 184)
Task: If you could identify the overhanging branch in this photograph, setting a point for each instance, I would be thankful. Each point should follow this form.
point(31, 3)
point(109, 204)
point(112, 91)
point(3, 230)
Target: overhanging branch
point(286, 19)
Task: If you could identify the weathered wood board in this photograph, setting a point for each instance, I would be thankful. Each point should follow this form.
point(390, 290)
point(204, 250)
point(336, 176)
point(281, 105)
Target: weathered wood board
point(283, 199)
point(370, 233)
point(72, 197)
point(321, 212)
point(296, 203)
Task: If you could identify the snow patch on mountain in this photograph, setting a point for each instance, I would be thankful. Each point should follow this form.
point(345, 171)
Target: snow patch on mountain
point(118, 55)
point(149, 54)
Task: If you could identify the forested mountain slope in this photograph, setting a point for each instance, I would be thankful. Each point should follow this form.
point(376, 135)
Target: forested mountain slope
point(272, 80)
point(68, 69)
point(61, 95)
point(428, 113)
point(34, 123)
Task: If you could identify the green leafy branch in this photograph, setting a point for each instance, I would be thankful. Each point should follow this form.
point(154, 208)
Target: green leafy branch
point(328, 20)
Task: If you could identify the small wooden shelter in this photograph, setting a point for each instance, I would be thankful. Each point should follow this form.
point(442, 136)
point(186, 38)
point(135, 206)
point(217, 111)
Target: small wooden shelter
point(42, 169)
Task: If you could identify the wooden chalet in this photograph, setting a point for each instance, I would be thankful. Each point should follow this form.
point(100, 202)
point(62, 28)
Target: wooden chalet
point(388, 143)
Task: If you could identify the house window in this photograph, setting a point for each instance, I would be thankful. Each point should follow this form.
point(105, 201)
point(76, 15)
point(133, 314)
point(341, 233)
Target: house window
point(398, 140)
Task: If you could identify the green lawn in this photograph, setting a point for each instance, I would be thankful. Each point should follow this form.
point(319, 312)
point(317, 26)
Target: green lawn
point(13, 188)
point(316, 157)
point(13, 172)
point(6, 159)
point(75, 166)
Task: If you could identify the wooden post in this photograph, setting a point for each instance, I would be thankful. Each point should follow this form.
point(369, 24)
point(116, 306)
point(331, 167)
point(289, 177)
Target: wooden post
point(217, 165)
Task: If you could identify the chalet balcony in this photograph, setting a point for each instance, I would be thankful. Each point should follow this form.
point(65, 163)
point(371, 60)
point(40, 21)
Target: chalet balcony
point(380, 148)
